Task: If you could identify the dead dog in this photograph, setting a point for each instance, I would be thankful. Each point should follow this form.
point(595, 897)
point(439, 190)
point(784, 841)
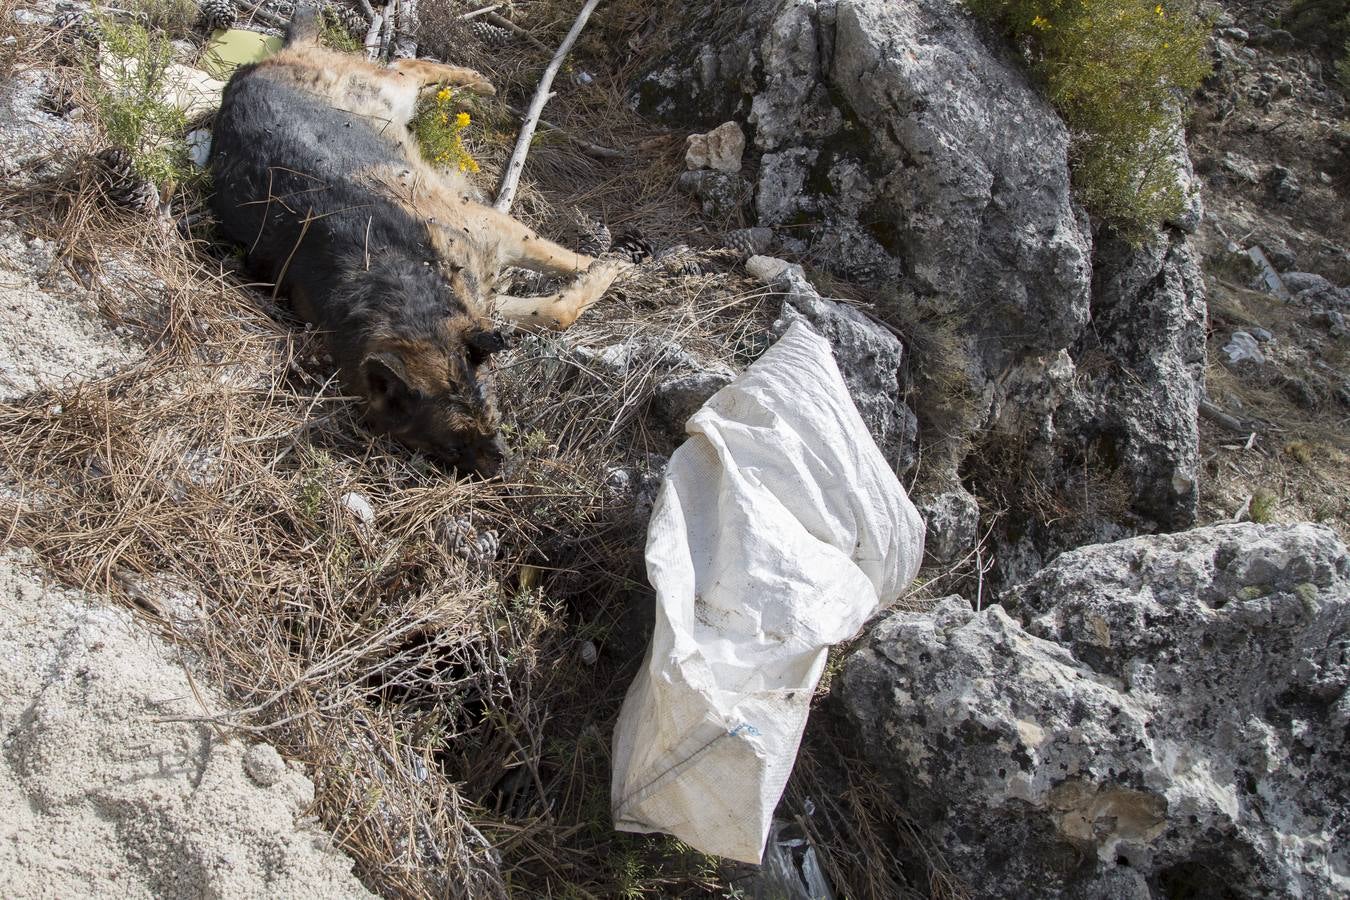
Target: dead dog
point(318, 176)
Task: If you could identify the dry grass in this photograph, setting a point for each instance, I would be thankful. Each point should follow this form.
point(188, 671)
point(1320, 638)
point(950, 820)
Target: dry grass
point(1291, 466)
point(437, 702)
point(458, 741)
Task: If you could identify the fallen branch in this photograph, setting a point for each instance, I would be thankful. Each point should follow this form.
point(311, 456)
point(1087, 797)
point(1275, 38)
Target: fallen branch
point(1223, 419)
point(258, 11)
point(599, 150)
point(372, 41)
point(507, 192)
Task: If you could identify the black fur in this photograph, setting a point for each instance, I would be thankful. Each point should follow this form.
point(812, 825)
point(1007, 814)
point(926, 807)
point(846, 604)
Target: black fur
point(353, 262)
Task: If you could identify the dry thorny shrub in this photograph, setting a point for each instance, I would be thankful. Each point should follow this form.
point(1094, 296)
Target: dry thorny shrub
point(457, 735)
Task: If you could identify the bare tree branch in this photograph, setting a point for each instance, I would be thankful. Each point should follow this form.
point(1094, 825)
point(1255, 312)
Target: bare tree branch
point(506, 194)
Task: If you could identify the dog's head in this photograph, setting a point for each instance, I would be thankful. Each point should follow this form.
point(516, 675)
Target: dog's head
point(435, 395)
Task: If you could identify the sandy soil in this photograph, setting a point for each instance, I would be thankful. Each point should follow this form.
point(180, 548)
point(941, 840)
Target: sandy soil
point(103, 793)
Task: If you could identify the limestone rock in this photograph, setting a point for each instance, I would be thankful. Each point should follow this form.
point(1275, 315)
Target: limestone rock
point(868, 356)
point(952, 518)
point(719, 149)
point(678, 397)
point(980, 209)
point(1145, 717)
point(1141, 415)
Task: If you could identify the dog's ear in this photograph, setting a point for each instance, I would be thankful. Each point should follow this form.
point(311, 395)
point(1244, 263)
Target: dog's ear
point(387, 381)
point(483, 342)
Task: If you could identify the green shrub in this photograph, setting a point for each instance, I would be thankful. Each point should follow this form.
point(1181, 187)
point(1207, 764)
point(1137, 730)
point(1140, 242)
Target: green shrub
point(175, 18)
point(333, 33)
point(1117, 71)
point(127, 88)
point(439, 130)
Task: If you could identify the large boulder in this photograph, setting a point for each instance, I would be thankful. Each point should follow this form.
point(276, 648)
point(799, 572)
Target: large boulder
point(1161, 716)
point(900, 144)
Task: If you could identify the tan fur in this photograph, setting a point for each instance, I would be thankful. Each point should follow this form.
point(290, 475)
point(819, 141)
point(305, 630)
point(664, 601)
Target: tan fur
point(473, 241)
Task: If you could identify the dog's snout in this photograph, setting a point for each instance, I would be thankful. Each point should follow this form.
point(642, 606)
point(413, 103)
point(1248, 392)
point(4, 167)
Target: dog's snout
point(488, 458)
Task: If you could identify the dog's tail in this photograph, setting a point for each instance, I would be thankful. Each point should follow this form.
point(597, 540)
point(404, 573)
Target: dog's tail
point(304, 27)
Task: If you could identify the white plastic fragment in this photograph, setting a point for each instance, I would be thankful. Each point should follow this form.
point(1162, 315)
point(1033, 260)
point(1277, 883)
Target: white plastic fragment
point(359, 506)
point(778, 531)
point(1269, 277)
point(1242, 347)
point(199, 147)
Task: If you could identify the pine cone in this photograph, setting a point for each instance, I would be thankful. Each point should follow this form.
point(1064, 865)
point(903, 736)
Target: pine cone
point(122, 185)
point(632, 246)
point(680, 261)
point(595, 237)
point(461, 538)
point(76, 34)
point(217, 14)
point(748, 241)
point(349, 19)
point(491, 36)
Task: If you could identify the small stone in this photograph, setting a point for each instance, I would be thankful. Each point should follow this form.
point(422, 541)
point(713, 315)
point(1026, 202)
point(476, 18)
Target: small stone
point(722, 196)
point(769, 269)
point(1280, 254)
point(588, 653)
point(1261, 334)
point(1241, 347)
point(358, 506)
point(264, 765)
point(1282, 183)
point(199, 147)
point(720, 149)
point(953, 524)
point(679, 397)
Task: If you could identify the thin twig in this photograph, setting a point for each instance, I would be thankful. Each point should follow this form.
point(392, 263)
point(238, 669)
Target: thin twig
point(503, 22)
point(258, 11)
point(480, 12)
point(598, 150)
point(507, 192)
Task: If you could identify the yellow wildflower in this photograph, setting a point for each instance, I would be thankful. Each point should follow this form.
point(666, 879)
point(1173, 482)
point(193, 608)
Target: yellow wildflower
point(1158, 9)
point(443, 95)
point(462, 120)
point(1040, 22)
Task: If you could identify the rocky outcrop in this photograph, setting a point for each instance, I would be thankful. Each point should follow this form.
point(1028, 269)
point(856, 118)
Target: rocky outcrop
point(114, 782)
point(899, 145)
point(869, 358)
point(1144, 718)
point(1141, 408)
point(908, 150)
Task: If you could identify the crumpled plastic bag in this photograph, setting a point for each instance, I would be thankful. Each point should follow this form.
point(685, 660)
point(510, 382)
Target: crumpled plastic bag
point(779, 530)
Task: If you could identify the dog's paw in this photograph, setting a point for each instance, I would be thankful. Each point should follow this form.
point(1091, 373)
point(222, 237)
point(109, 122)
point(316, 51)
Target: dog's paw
point(481, 86)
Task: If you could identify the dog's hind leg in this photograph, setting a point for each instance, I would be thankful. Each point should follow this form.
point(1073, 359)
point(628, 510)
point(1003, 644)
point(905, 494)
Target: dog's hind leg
point(555, 312)
point(427, 72)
